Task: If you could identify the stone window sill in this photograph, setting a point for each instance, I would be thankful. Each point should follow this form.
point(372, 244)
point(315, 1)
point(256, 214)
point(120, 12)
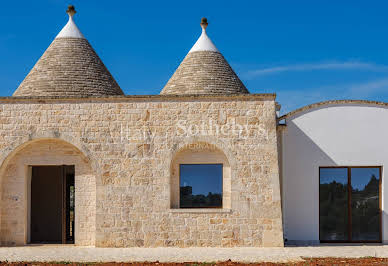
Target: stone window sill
point(201, 210)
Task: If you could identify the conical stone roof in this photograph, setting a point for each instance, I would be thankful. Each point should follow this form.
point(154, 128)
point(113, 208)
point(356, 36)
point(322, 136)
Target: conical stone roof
point(69, 68)
point(204, 71)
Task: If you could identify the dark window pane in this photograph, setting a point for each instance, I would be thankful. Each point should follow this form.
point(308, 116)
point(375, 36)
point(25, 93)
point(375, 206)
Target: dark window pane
point(200, 185)
point(333, 203)
point(365, 203)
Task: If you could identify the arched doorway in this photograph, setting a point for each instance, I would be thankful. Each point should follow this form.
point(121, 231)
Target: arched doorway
point(36, 172)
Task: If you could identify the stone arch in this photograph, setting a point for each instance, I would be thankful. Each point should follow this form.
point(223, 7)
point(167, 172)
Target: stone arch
point(19, 144)
point(15, 176)
point(197, 151)
point(222, 146)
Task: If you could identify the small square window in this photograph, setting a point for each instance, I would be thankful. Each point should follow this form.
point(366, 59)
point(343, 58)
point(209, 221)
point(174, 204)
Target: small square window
point(200, 185)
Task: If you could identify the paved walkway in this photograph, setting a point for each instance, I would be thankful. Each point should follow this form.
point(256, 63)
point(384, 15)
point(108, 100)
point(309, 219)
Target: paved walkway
point(56, 253)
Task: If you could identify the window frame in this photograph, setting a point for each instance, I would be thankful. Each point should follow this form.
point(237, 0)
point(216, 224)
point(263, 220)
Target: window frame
point(200, 153)
point(349, 240)
point(205, 207)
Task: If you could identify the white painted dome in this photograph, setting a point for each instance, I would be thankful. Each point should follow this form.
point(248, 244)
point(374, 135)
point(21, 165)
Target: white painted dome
point(70, 30)
point(204, 43)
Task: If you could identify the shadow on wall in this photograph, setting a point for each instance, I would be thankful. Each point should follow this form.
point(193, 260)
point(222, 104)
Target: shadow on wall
point(345, 133)
point(302, 158)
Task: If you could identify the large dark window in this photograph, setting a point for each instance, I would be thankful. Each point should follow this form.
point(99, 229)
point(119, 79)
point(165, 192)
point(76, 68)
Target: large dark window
point(333, 199)
point(349, 204)
point(200, 185)
point(365, 203)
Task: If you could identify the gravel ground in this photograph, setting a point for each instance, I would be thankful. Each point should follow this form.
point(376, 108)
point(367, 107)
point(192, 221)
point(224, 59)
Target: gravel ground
point(56, 253)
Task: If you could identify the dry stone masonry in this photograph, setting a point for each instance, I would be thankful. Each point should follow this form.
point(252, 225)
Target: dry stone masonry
point(204, 72)
point(69, 67)
point(129, 144)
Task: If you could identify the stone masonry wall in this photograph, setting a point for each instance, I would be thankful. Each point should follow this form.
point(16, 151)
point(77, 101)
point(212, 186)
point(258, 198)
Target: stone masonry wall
point(130, 143)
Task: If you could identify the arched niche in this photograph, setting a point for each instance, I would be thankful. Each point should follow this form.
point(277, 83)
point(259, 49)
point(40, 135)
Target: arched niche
point(200, 153)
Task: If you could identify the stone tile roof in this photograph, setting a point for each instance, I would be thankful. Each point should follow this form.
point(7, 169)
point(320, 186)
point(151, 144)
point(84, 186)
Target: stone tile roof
point(204, 71)
point(69, 67)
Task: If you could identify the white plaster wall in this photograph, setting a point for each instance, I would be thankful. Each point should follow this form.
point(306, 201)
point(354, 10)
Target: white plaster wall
point(333, 135)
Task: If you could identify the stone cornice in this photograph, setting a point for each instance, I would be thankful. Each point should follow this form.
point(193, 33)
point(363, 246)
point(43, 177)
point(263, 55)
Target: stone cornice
point(139, 98)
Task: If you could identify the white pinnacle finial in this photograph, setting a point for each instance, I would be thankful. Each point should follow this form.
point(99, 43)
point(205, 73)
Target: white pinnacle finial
point(70, 30)
point(204, 43)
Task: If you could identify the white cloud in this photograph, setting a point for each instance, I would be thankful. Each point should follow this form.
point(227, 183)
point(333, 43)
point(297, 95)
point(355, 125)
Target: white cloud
point(293, 99)
point(368, 88)
point(317, 66)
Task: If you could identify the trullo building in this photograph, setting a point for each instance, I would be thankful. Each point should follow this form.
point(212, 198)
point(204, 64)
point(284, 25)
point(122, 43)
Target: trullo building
point(205, 163)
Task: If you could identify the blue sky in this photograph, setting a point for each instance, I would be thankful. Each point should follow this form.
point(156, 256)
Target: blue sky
point(360, 177)
point(304, 51)
point(203, 178)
